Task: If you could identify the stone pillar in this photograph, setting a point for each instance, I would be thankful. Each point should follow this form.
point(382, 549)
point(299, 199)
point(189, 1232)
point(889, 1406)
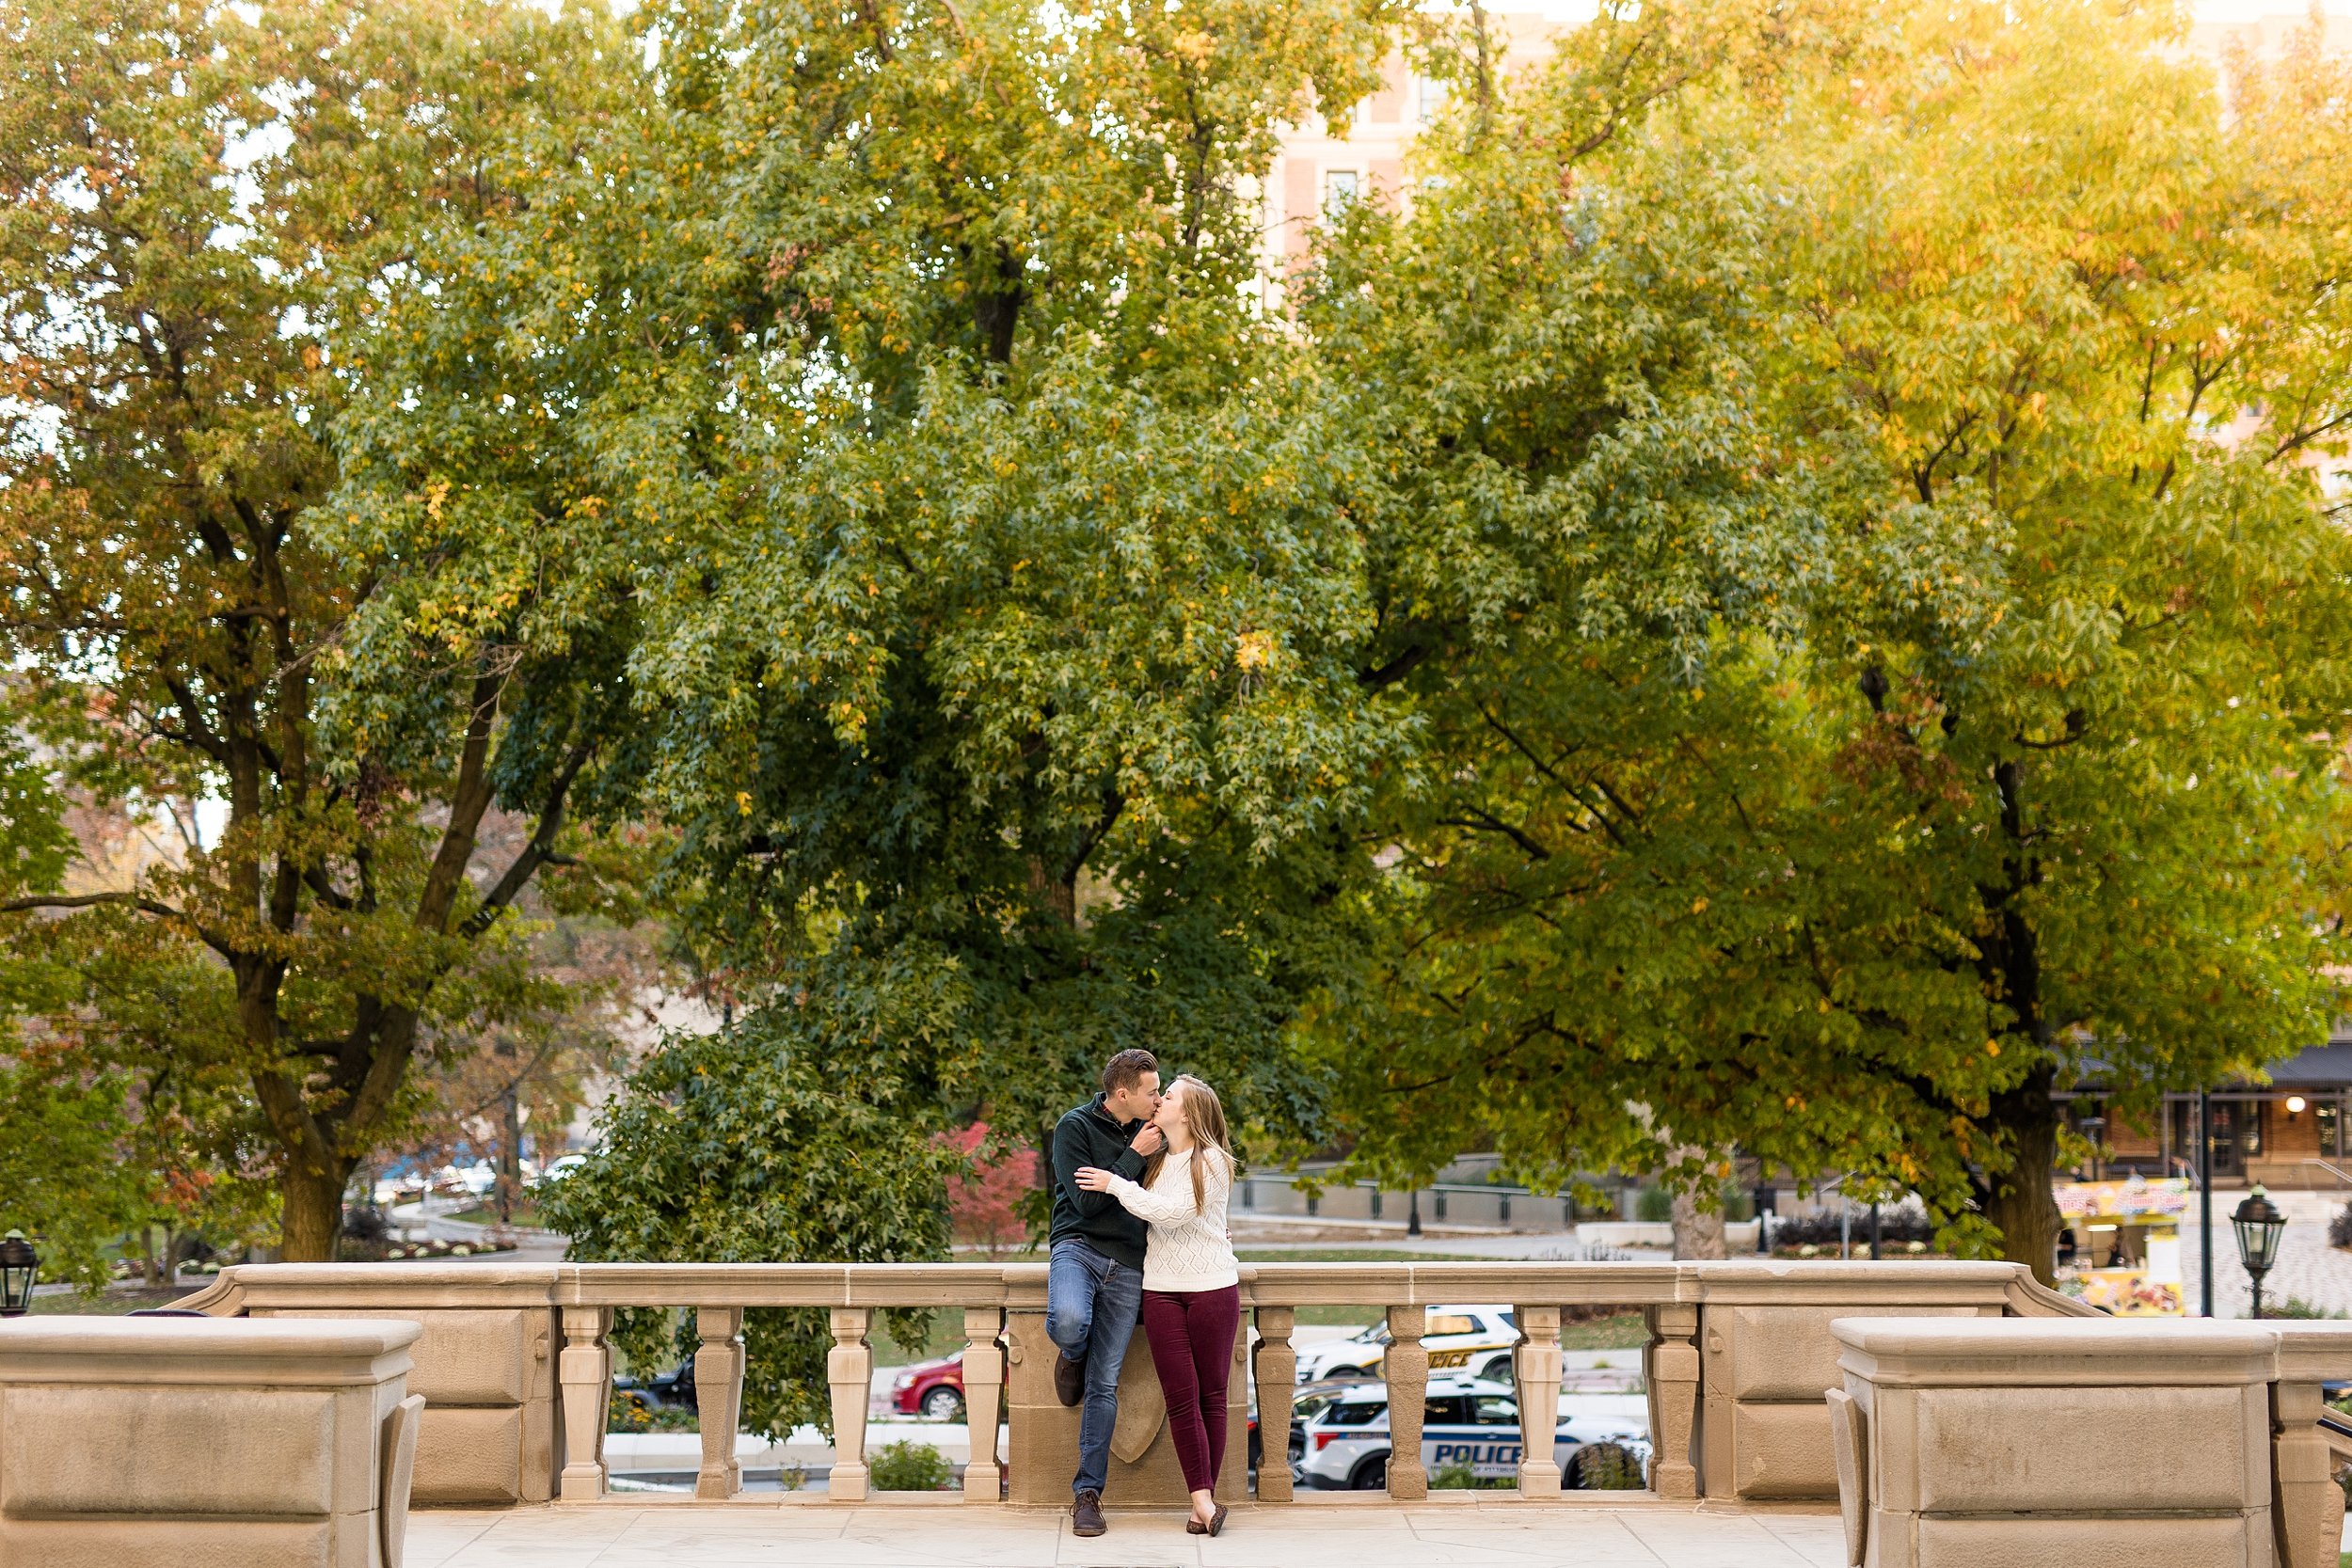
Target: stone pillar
point(1536, 1368)
point(850, 1369)
point(2306, 1502)
point(586, 1374)
point(1407, 1366)
point(229, 1440)
point(983, 1387)
point(719, 1398)
point(1671, 1367)
point(1277, 1371)
point(1973, 1450)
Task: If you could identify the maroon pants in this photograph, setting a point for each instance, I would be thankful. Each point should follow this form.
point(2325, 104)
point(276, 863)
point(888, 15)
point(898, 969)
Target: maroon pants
point(1191, 1333)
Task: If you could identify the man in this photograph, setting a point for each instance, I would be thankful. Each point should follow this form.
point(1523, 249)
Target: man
point(1094, 1279)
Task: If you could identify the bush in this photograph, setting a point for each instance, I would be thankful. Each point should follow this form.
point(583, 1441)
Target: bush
point(1457, 1476)
point(742, 1146)
point(2295, 1307)
point(905, 1467)
point(1608, 1467)
point(1653, 1206)
point(2340, 1227)
point(1899, 1227)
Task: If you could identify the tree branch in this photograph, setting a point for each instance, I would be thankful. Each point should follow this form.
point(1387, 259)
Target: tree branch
point(534, 854)
point(128, 900)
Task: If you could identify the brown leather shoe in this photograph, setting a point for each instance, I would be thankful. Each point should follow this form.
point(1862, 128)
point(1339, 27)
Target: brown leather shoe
point(1086, 1515)
point(1070, 1380)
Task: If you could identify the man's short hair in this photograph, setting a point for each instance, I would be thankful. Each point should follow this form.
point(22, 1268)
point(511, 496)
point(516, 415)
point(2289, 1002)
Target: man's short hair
point(1126, 1070)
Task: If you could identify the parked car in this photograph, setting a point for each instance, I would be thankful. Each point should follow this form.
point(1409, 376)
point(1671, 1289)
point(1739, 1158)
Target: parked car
point(931, 1388)
point(1467, 1422)
point(562, 1166)
point(673, 1390)
point(1473, 1340)
point(1306, 1402)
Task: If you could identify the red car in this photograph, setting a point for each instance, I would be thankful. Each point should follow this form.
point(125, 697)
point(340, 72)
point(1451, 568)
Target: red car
point(932, 1389)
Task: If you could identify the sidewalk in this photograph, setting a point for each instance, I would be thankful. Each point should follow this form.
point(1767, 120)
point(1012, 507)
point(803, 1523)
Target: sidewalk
point(1464, 1529)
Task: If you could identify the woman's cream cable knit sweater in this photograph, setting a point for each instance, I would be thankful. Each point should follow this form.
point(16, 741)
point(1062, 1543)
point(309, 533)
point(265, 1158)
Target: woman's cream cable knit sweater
point(1188, 1250)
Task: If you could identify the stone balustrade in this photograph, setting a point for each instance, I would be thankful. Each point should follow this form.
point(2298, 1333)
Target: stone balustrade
point(515, 1369)
point(152, 1440)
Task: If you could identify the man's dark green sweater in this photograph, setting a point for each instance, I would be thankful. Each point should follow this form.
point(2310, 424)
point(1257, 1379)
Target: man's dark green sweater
point(1089, 1136)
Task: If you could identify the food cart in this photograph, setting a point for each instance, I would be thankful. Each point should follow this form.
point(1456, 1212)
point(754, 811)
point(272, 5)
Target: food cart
point(2126, 1244)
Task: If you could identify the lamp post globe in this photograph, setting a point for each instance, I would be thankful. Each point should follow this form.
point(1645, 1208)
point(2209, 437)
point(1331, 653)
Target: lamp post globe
point(2259, 1224)
point(19, 1265)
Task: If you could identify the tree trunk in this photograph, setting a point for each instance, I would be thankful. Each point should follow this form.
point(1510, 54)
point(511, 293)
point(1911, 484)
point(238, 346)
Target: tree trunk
point(2019, 1200)
point(311, 1221)
point(510, 1155)
point(1698, 1233)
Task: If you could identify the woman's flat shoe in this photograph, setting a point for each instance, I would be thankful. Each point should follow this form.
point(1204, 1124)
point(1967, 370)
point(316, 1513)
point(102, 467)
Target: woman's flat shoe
point(1216, 1522)
point(1194, 1526)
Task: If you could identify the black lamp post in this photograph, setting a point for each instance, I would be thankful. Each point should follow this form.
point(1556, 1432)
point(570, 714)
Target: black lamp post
point(2258, 1224)
point(18, 1263)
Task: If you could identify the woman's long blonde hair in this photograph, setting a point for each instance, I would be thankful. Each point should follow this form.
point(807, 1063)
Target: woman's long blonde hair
point(1204, 1118)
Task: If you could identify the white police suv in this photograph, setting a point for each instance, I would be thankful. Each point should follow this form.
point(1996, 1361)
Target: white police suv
point(1474, 1341)
point(1469, 1423)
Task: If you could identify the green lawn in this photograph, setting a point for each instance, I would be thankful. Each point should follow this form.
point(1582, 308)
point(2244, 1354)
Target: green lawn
point(526, 1213)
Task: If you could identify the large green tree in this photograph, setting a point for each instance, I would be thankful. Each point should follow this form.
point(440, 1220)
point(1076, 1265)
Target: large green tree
point(1884, 620)
point(198, 206)
point(997, 606)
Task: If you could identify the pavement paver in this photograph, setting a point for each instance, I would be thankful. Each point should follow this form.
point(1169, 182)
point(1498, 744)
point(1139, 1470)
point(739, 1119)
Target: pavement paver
point(1481, 1533)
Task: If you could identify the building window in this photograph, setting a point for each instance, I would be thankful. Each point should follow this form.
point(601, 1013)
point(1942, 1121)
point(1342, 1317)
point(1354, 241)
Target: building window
point(1430, 98)
point(2330, 1119)
point(1338, 190)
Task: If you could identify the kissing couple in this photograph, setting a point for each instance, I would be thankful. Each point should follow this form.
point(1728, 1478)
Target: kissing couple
point(1141, 1181)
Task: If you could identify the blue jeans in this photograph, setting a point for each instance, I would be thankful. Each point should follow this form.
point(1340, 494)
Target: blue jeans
point(1090, 1307)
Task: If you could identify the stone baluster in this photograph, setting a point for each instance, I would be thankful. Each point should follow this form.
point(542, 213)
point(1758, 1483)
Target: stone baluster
point(850, 1369)
point(1407, 1366)
point(585, 1371)
point(1672, 1365)
point(719, 1398)
point(1276, 1368)
point(1536, 1368)
point(983, 1390)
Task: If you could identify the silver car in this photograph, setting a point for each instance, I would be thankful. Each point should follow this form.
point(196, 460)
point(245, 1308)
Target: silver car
point(1468, 1423)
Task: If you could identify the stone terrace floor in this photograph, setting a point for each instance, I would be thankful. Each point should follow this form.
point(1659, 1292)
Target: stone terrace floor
point(1470, 1534)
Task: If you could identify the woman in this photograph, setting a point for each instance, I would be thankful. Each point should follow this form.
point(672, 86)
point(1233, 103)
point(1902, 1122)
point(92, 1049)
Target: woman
point(1191, 1285)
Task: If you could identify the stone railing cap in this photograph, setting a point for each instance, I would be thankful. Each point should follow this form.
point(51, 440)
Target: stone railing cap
point(2317, 1351)
point(2150, 1350)
point(218, 1339)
